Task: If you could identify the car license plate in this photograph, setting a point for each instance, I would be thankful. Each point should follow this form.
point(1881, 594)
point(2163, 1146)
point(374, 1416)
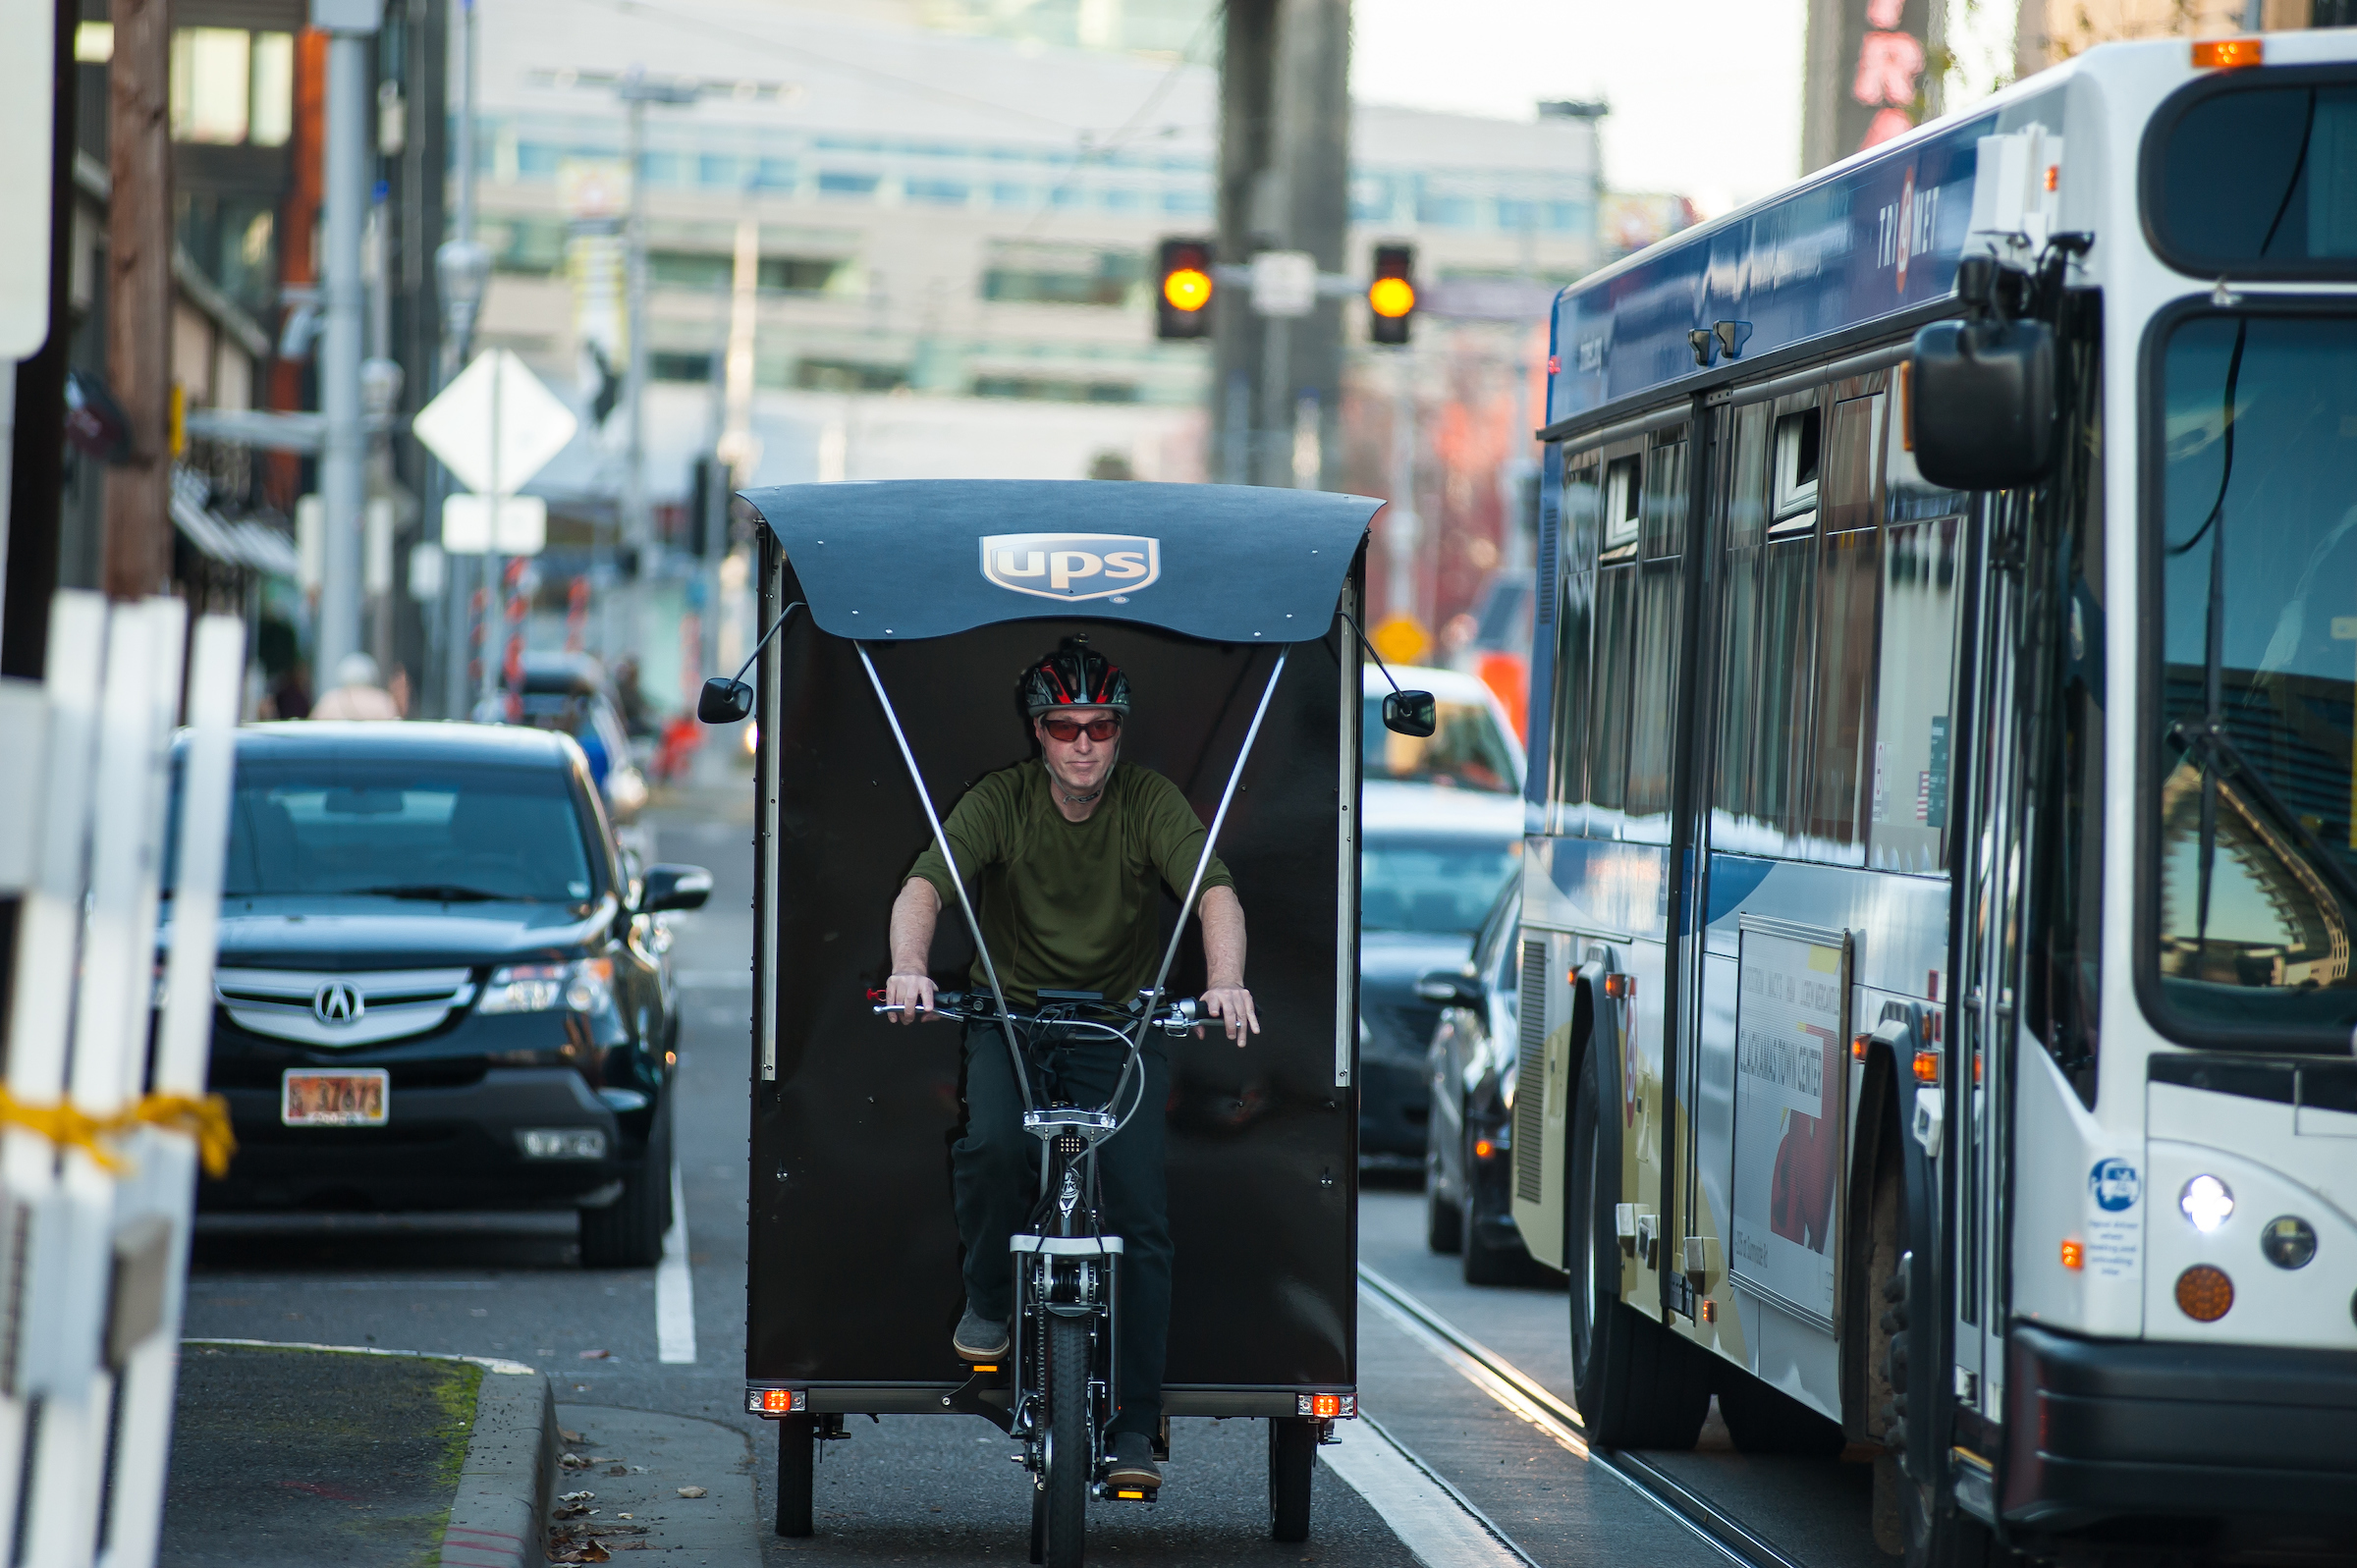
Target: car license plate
point(351, 1099)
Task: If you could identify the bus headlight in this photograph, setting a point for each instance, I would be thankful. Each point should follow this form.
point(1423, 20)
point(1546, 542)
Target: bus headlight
point(587, 985)
point(2207, 1203)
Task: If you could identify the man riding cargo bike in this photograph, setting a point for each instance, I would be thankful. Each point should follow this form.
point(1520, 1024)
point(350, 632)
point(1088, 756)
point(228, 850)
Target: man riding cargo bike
point(1025, 1198)
point(1066, 856)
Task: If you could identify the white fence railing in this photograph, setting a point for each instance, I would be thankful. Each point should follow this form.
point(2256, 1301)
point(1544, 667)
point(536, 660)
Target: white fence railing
point(102, 1123)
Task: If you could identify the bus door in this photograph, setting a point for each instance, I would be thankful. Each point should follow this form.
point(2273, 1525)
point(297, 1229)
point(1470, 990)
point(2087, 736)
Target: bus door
point(1971, 1137)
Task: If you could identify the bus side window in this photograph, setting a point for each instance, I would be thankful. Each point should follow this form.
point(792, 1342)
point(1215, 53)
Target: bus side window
point(1847, 587)
point(1746, 484)
point(1912, 717)
point(1574, 625)
point(1653, 708)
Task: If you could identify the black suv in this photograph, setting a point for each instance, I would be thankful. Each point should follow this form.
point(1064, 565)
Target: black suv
point(439, 986)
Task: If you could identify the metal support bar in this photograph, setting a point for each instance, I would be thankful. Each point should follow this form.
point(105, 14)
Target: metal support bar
point(1014, 1052)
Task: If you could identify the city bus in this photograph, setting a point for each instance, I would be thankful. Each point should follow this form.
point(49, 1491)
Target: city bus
point(1934, 993)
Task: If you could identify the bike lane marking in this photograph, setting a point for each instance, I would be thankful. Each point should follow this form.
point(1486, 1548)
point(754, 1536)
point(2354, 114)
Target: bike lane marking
point(1428, 1515)
point(674, 1287)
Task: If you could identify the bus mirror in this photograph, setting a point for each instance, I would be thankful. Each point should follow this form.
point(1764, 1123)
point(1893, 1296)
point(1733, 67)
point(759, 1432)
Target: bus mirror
point(724, 702)
point(1980, 399)
point(1410, 713)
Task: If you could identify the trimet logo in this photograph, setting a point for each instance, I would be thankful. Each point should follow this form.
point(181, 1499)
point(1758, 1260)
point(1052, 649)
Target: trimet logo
point(1071, 565)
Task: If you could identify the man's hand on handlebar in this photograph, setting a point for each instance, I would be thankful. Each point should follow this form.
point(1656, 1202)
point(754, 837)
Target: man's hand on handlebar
point(913, 995)
point(1232, 1005)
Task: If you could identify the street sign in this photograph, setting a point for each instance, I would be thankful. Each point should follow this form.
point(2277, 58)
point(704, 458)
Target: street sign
point(27, 80)
point(1284, 283)
point(496, 425)
point(468, 528)
point(1401, 640)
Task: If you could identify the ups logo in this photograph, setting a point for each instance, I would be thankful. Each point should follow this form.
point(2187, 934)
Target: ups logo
point(1071, 565)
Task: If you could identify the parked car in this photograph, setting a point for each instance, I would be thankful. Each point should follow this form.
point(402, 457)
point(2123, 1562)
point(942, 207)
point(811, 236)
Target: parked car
point(1441, 828)
point(438, 988)
point(571, 694)
point(1469, 1076)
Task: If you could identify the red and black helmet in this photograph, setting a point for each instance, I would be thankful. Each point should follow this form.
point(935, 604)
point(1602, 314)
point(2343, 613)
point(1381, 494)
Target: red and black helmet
point(1074, 675)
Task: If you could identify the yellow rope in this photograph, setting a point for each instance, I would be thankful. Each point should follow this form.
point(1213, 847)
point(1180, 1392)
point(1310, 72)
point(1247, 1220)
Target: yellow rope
point(67, 1126)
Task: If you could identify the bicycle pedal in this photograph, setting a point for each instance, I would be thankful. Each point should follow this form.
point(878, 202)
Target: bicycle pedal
point(1106, 1492)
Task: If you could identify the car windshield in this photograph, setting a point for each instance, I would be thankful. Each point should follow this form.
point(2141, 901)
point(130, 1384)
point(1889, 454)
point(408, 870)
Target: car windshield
point(1434, 885)
point(1467, 751)
point(2256, 848)
point(424, 831)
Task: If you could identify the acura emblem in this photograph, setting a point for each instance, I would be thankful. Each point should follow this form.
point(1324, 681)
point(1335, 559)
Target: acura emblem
point(337, 1001)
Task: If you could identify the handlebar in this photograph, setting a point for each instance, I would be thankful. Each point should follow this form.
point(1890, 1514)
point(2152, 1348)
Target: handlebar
point(1178, 1016)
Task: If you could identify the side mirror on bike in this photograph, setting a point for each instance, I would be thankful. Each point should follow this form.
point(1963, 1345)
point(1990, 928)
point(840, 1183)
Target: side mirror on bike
point(724, 701)
point(1410, 713)
point(1450, 988)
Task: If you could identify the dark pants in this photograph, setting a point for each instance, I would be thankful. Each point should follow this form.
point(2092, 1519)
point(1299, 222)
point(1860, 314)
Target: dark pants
point(997, 1166)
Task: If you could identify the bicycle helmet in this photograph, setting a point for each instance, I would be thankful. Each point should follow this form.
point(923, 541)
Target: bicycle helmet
point(1074, 675)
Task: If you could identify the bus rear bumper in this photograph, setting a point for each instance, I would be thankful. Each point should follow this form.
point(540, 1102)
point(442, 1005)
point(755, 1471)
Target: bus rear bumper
point(2104, 1429)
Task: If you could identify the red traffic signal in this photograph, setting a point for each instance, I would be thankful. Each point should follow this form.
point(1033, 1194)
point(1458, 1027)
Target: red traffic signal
point(1182, 290)
point(1392, 293)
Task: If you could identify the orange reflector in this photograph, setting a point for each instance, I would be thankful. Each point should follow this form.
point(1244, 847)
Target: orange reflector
point(1976, 1069)
point(2074, 1255)
point(1927, 1066)
point(2053, 176)
point(1187, 288)
point(1857, 1047)
point(980, 1366)
point(1130, 1497)
point(1483, 1149)
point(1326, 1406)
point(2227, 54)
point(2203, 1293)
point(1710, 1310)
point(1391, 297)
point(1619, 987)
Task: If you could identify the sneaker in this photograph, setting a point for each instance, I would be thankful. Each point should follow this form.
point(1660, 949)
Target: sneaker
point(978, 1338)
point(1133, 1467)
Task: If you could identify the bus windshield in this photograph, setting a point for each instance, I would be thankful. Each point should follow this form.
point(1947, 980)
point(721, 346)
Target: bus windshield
point(2256, 903)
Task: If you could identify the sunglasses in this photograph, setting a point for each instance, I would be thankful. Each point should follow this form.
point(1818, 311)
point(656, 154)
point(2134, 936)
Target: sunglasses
point(1068, 729)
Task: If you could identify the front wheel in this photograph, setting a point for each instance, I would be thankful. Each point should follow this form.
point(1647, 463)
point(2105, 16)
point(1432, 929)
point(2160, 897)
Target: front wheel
point(627, 1233)
point(1292, 1462)
point(1070, 1453)
point(1638, 1384)
point(1443, 1221)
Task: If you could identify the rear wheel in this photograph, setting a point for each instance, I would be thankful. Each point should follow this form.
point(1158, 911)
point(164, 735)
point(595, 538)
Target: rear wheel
point(1638, 1384)
point(1443, 1221)
point(1293, 1457)
point(627, 1233)
point(1069, 1456)
point(796, 1448)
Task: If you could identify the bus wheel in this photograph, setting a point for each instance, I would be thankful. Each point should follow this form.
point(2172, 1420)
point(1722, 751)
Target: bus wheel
point(796, 1445)
point(1638, 1384)
point(1933, 1532)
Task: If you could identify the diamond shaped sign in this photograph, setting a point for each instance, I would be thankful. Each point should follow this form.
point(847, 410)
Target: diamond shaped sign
point(495, 425)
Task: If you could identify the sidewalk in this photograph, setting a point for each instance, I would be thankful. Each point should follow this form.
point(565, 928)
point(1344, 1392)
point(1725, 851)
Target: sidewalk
point(293, 1455)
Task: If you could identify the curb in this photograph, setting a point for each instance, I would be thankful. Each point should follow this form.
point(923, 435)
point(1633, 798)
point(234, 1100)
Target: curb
point(499, 1516)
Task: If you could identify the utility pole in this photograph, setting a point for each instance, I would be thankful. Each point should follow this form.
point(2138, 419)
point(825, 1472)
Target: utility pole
point(637, 91)
point(1283, 185)
point(461, 270)
point(350, 26)
point(137, 550)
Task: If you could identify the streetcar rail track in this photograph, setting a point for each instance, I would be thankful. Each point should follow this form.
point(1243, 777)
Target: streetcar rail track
point(1535, 1403)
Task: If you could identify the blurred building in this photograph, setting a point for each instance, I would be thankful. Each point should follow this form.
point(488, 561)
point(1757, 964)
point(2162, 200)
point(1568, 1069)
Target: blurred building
point(2052, 31)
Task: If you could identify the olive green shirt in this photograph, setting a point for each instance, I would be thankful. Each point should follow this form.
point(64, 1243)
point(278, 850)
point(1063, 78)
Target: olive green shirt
point(1070, 906)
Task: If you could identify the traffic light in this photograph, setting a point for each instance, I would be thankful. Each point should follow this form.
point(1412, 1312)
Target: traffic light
point(1392, 292)
point(1182, 290)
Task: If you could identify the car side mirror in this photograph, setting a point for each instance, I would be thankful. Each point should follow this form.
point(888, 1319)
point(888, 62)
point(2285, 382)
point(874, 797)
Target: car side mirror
point(724, 701)
point(1981, 411)
point(1450, 988)
point(1410, 713)
point(673, 888)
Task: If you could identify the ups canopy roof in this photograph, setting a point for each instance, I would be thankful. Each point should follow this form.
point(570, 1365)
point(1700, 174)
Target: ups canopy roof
point(903, 559)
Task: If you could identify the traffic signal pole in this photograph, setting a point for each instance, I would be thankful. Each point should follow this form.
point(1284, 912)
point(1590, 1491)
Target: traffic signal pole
point(1283, 185)
point(350, 26)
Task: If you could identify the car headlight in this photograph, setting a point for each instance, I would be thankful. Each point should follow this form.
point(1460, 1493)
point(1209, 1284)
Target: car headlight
point(587, 985)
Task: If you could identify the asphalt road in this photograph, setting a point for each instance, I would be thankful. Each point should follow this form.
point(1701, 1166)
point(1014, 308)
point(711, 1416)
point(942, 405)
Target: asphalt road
point(925, 1489)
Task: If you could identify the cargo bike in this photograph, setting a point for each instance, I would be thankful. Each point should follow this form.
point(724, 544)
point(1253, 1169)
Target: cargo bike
point(900, 616)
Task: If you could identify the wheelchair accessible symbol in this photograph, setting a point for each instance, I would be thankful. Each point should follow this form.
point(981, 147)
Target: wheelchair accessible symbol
point(2114, 1184)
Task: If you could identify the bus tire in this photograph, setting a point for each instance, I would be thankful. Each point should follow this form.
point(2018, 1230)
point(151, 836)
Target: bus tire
point(1292, 1464)
point(1763, 1420)
point(1638, 1386)
point(1934, 1533)
point(1071, 1452)
point(798, 1446)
